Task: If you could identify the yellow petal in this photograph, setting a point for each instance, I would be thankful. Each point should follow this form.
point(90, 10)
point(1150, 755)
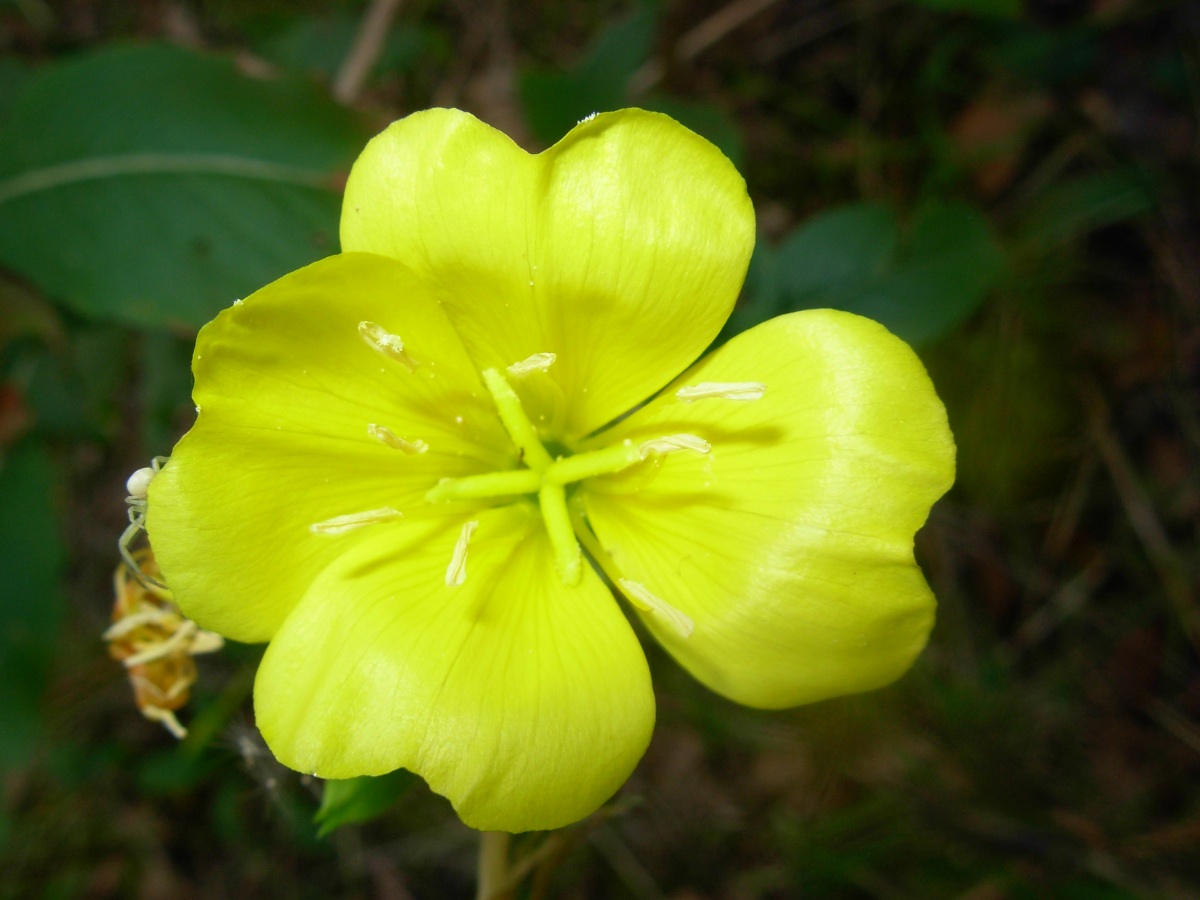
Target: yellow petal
point(526, 702)
point(296, 408)
point(789, 544)
point(621, 249)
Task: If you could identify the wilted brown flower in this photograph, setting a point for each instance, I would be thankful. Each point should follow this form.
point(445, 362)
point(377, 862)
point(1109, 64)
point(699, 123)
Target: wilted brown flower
point(155, 642)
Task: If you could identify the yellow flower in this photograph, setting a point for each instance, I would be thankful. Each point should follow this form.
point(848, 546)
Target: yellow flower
point(401, 449)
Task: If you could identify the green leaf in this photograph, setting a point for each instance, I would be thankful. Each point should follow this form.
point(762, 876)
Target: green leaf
point(320, 45)
point(555, 101)
point(166, 388)
point(154, 186)
point(761, 294)
point(72, 383)
point(1071, 209)
point(951, 263)
point(920, 287)
point(1052, 58)
point(31, 560)
point(13, 75)
point(836, 254)
point(360, 799)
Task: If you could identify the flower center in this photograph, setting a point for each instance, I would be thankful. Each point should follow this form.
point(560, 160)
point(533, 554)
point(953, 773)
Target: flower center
point(544, 475)
point(545, 472)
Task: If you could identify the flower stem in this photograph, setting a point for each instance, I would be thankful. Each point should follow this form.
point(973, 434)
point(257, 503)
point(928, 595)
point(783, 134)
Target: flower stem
point(493, 865)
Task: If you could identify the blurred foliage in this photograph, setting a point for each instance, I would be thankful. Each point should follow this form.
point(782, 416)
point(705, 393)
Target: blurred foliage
point(1010, 186)
point(555, 100)
point(920, 284)
point(319, 44)
point(148, 185)
point(31, 602)
point(360, 799)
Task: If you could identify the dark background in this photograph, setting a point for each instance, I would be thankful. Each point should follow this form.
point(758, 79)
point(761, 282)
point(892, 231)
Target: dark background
point(1009, 185)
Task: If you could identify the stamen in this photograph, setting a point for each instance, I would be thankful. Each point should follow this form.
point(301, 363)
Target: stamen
point(726, 390)
point(596, 462)
point(641, 597)
point(456, 572)
point(206, 642)
point(152, 616)
point(166, 648)
point(390, 345)
point(340, 524)
point(386, 436)
point(671, 442)
point(538, 362)
point(165, 716)
point(553, 500)
point(489, 484)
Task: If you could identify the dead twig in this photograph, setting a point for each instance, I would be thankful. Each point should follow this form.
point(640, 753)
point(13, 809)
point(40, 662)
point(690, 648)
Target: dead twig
point(637, 880)
point(368, 45)
point(698, 39)
point(1167, 563)
point(1066, 602)
point(1176, 723)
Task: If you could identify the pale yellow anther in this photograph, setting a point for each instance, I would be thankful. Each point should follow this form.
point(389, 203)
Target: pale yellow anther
point(641, 597)
point(179, 687)
point(671, 442)
point(390, 345)
point(167, 718)
point(386, 436)
point(340, 524)
point(538, 362)
point(205, 642)
point(456, 572)
point(166, 648)
point(152, 616)
point(725, 390)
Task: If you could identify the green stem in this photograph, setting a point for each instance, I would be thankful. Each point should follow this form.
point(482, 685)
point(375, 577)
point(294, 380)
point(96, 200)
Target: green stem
point(493, 864)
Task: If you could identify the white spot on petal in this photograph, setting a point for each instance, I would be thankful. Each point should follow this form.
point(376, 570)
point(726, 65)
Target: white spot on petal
point(538, 362)
point(456, 572)
point(671, 442)
point(390, 345)
point(340, 524)
point(641, 597)
point(726, 390)
point(386, 436)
